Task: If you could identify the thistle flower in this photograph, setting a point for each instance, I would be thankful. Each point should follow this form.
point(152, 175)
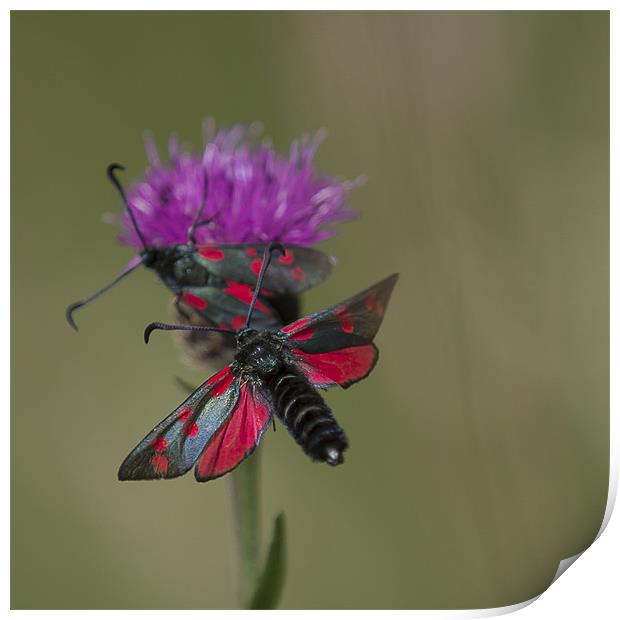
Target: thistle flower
point(254, 194)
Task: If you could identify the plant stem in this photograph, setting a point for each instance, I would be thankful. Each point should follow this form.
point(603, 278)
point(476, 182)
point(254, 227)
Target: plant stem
point(245, 506)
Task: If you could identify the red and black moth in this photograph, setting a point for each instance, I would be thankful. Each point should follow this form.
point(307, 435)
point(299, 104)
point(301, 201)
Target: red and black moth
point(215, 281)
point(274, 372)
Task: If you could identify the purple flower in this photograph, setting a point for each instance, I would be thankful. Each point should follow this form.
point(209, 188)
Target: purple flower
point(254, 195)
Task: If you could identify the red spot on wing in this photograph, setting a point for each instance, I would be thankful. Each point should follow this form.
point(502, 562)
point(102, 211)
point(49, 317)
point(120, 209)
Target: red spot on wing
point(347, 325)
point(222, 385)
point(370, 302)
point(238, 322)
point(184, 414)
point(296, 326)
point(213, 254)
point(341, 367)
point(244, 293)
point(193, 300)
point(304, 334)
point(219, 382)
point(237, 437)
point(298, 274)
point(159, 444)
point(251, 251)
point(346, 322)
point(217, 377)
point(191, 430)
point(379, 309)
point(256, 265)
point(287, 258)
point(159, 462)
point(297, 331)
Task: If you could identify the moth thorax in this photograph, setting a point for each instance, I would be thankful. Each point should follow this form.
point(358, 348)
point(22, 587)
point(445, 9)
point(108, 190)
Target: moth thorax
point(187, 272)
point(307, 417)
point(258, 353)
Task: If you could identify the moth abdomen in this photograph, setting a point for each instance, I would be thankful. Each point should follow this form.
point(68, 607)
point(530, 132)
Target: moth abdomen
point(307, 417)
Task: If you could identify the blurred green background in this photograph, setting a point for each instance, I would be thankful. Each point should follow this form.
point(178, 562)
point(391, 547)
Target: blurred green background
point(479, 446)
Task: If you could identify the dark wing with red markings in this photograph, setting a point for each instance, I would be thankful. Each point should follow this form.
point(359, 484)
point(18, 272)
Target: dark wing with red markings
point(238, 437)
point(334, 347)
point(217, 427)
point(297, 270)
point(175, 444)
point(353, 322)
point(227, 306)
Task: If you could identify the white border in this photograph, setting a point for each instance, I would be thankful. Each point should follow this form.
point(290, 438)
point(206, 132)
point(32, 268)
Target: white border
point(587, 587)
point(309, 5)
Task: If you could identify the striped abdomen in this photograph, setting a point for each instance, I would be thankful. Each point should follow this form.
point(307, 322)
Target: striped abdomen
point(307, 417)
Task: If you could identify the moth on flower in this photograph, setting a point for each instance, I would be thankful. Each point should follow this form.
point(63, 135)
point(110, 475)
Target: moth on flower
point(202, 222)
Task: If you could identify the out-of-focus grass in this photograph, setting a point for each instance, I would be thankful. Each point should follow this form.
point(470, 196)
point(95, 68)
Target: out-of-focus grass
point(479, 445)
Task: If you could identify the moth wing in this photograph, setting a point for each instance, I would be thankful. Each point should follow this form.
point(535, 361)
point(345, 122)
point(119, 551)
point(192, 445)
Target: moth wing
point(297, 270)
point(238, 437)
point(334, 347)
point(354, 322)
point(175, 444)
point(227, 306)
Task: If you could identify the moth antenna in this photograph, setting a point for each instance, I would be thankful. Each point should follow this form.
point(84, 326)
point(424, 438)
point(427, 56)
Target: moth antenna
point(151, 327)
point(191, 233)
point(111, 170)
point(267, 254)
point(80, 304)
point(206, 222)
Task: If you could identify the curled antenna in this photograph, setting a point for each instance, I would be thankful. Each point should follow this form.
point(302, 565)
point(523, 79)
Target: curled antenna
point(111, 170)
point(267, 254)
point(80, 304)
point(151, 327)
point(191, 233)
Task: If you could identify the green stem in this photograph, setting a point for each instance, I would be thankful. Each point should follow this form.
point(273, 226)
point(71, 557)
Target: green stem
point(255, 589)
point(245, 504)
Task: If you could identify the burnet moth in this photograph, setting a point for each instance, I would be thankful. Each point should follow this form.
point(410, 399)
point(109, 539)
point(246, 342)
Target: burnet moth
point(274, 372)
point(215, 281)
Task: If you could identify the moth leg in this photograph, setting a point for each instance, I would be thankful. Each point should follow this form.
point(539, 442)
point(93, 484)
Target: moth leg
point(205, 222)
point(179, 309)
point(192, 236)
